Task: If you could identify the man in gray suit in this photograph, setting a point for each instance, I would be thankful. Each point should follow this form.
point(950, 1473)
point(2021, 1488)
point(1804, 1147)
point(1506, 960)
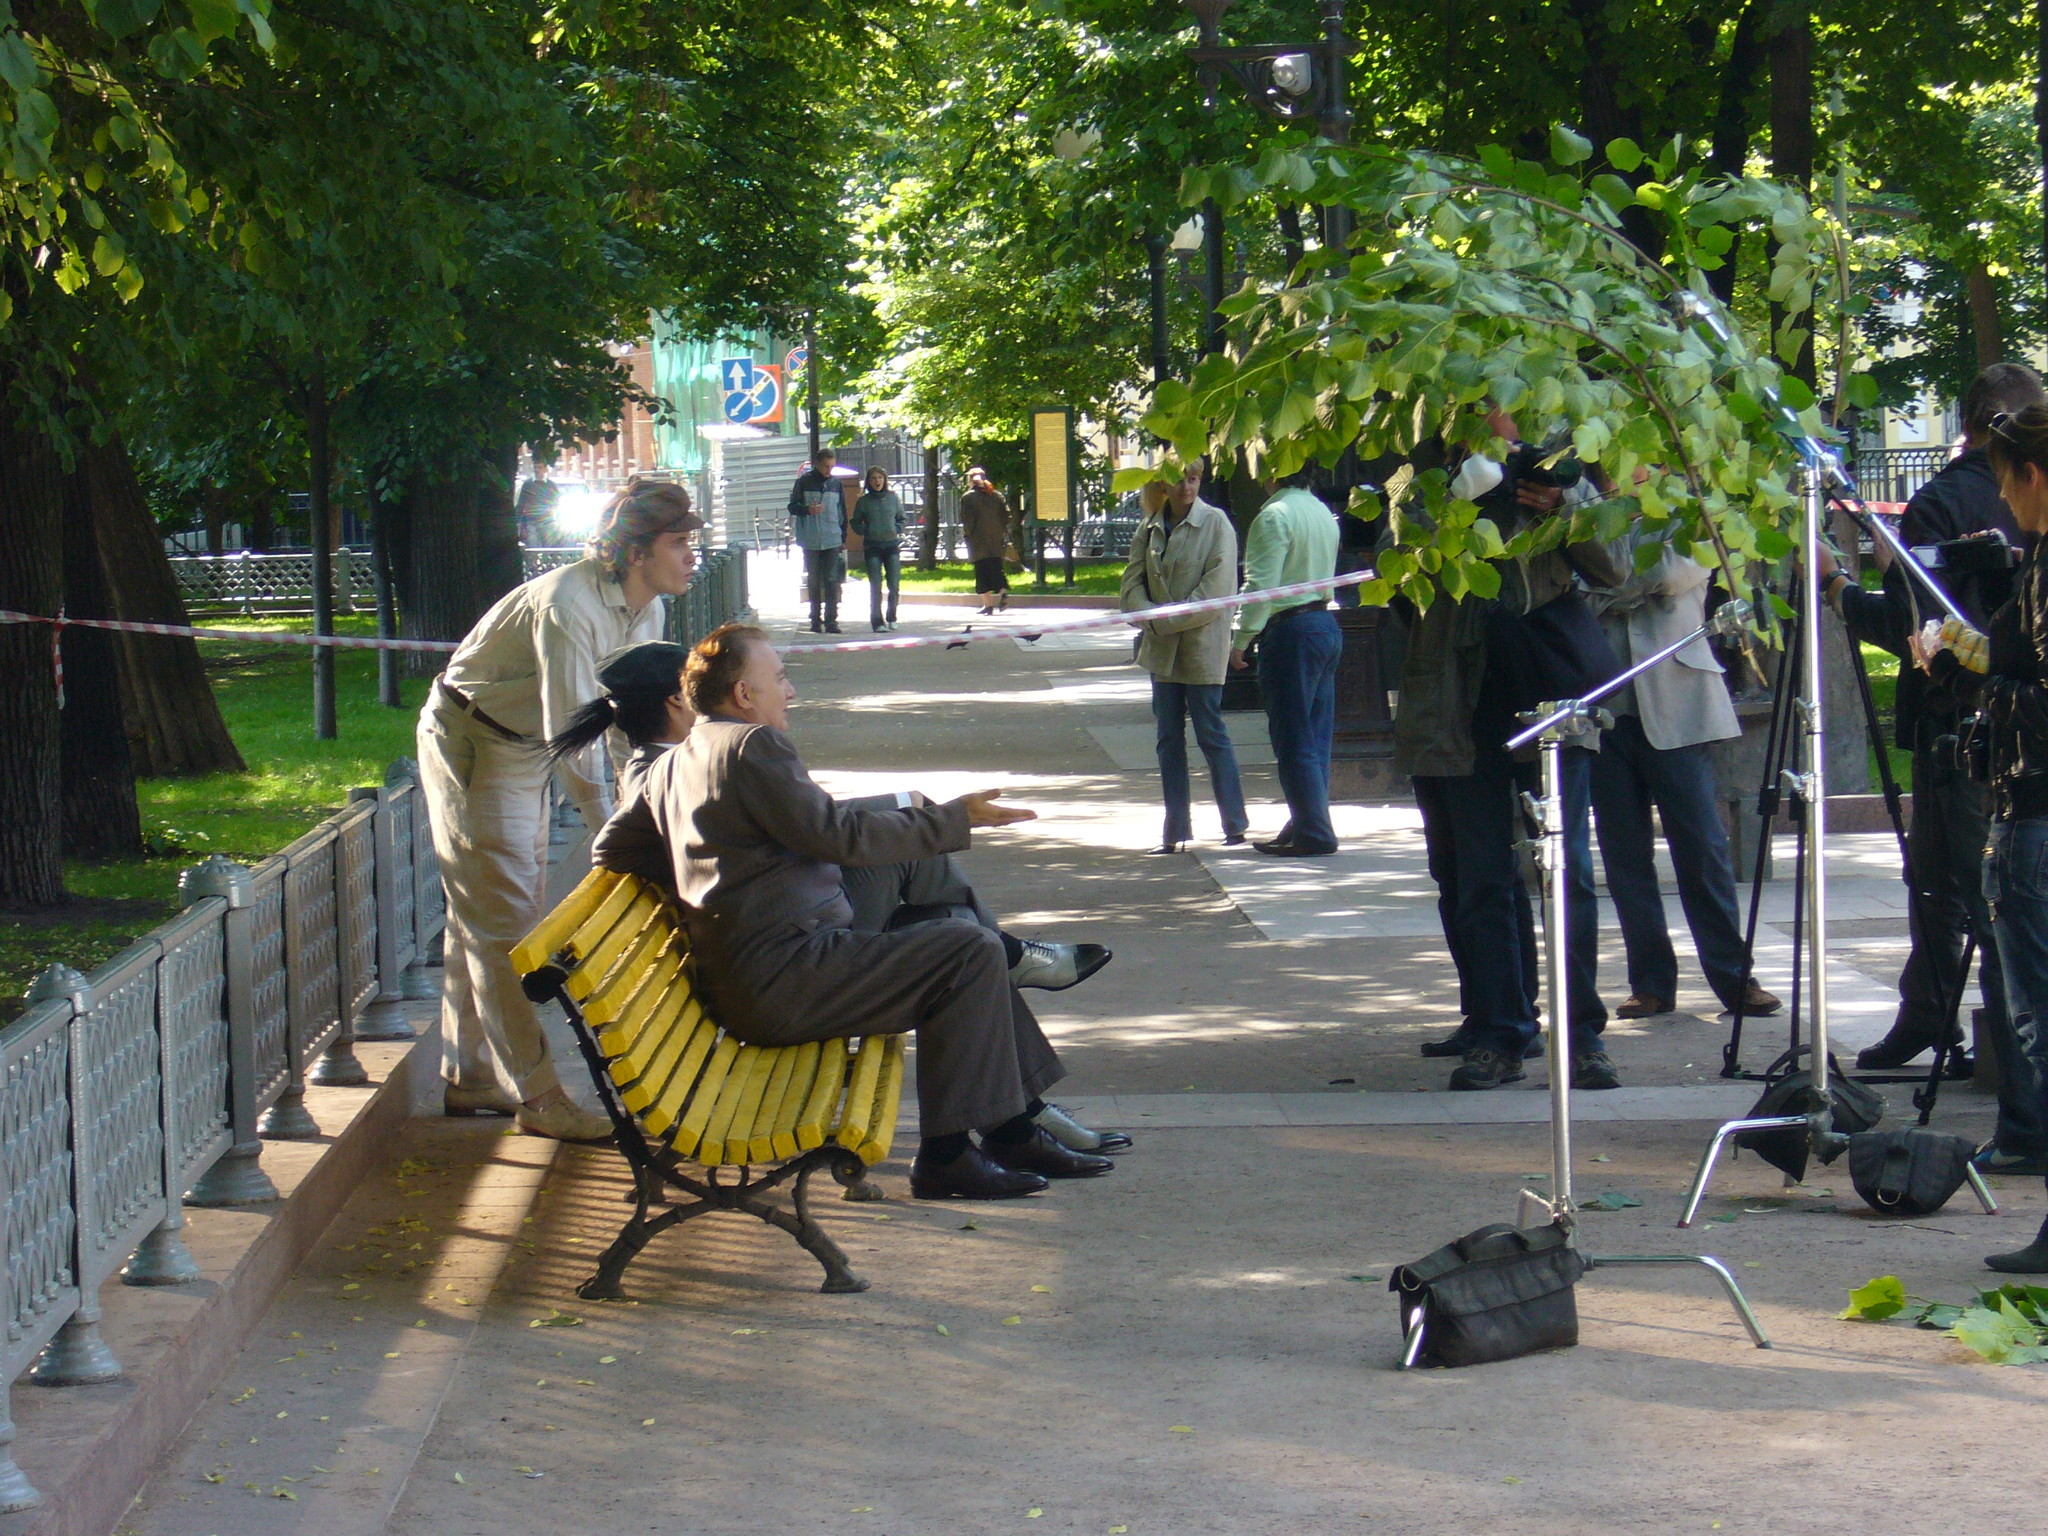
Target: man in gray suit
point(1656, 757)
point(732, 821)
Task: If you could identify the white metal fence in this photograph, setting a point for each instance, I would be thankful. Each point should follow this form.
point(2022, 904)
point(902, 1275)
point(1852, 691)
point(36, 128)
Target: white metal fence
point(252, 583)
point(152, 1083)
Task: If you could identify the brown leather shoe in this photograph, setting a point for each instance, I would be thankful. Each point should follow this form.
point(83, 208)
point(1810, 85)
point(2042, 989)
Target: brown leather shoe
point(1759, 1004)
point(1039, 1153)
point(1641, 1005)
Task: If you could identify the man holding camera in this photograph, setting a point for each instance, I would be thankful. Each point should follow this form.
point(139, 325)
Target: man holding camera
point(1471, 665)
point(1950, 814)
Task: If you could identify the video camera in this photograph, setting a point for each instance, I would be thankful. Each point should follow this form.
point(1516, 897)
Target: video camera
point(1981, 554)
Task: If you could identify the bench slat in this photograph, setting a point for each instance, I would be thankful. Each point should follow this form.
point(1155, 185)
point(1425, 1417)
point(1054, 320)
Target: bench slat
point(642, 1070)
point(673, 1070)
point(622, 1035)
point(654, 949)
point(590, 971)
point(888, 1098)
point(761, 1139)
point(824, 1099)
point(852, 1129)
point(751, 1062)
point(696, 1114)
point(796, 1093)
point(559, 926)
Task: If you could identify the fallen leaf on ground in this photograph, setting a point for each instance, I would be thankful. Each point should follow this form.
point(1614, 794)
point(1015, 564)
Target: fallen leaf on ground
point(945, 1330)
point(1180, 1429)
point(1602, 1158)
point(557, 1320)
point(1511, 1479)
point(582, 1383)
point(1033, 1514)
point(607, 1359)
point(1011, 1321)
point(863, 1509)
point(1118, 1530)
point(647, 1423)
point(459, 1477)
point(1043, 1289)
point(742, 1332)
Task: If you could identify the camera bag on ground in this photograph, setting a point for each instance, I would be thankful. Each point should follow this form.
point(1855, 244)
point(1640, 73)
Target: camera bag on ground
point(1910, 1172)
point(1492, 1295)
point(1857, 1107)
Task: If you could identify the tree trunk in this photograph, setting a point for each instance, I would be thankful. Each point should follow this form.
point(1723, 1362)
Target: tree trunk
point(1791, 52)
point(1986, 328)
point(263, 524)
point(99, 816)
point(31, 581)
point(390, 664)
point(319, 528)
point(169, 716)
point(1732, 122)
point(434, 564)
point(492, 476)
point(928, 535)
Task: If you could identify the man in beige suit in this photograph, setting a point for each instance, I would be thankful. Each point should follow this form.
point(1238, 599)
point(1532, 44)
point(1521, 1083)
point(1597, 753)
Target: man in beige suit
point(756, 851)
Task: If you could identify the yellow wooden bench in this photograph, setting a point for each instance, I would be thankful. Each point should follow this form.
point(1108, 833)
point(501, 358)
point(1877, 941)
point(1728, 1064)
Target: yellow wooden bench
point(680, 1090)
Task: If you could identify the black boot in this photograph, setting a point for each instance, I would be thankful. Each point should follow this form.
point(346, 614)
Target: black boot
point(2030, 1260)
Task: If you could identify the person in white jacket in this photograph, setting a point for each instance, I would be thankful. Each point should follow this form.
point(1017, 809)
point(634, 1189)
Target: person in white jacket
point(1656, 757)
point(515, 681)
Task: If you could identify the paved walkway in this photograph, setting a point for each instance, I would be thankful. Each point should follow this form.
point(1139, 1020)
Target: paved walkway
point(1200, 1342)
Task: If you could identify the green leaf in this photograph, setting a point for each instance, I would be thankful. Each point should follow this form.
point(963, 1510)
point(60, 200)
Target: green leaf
point(1569, 148)
point(1611, 1200)
point(1715, 239)
point(1613, 191)
point(1744, 408)
point(18, 66)
point(2002, 1336)
point(1875, 1300)
point(213, 18)
point(1794, 392)
point(1860, 389)
point(1623, 154)
point(1483, 579)
point(109, 255)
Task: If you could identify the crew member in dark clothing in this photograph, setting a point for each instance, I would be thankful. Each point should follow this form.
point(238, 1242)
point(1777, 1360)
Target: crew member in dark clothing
point(1950, 815)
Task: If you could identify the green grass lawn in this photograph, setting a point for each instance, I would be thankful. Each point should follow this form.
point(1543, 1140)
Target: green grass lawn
point(1096, 577)
point(266, 695)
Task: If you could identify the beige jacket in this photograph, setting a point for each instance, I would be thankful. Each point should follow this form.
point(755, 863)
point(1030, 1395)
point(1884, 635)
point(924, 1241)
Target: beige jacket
point(1179, 563)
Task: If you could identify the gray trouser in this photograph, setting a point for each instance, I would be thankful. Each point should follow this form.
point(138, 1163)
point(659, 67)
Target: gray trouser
point(885, 896)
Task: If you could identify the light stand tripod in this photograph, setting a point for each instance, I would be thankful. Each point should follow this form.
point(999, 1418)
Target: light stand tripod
point(1553, 725)
point(1809, 787)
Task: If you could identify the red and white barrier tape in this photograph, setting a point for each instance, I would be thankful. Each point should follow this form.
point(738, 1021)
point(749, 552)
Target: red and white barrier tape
point(1302, 589)
point(1323, 587)
point(280, 637)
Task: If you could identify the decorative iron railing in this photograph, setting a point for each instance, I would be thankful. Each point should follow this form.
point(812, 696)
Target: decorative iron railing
point(252, 583)
point(152, 1083)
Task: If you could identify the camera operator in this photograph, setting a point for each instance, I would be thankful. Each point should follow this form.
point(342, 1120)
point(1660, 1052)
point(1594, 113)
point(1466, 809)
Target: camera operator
point(1950, 815)
point(2016, 708)
point(1471, 665)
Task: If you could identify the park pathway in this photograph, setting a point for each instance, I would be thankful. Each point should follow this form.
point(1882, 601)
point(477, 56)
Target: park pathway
point(1200, 1342)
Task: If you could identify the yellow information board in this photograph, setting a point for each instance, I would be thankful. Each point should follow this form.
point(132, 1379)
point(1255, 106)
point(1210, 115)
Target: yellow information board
point(1052, 487)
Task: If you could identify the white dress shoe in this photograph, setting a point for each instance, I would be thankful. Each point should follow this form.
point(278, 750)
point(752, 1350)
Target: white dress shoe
point(490, 1099)
point(1076, 1137)
point(564, 1120)
point(1055, 967)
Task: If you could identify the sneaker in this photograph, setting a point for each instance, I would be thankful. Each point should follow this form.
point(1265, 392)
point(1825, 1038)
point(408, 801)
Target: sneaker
point(1484, 1068)
point(1594, 1069)
point(1989, 1159)
point(1056, 967)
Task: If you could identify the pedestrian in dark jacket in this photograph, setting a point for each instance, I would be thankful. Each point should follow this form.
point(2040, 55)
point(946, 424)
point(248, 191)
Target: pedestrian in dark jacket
point(2016, 700)
point(878, 519)
point(1951, 816)
point(985, 520)
point(817, 519)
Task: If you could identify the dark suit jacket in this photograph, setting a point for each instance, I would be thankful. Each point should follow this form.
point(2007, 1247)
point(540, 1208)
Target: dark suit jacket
point(733, 823)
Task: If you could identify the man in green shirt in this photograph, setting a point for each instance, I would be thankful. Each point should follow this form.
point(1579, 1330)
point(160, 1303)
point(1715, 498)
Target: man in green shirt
point(1294, 538)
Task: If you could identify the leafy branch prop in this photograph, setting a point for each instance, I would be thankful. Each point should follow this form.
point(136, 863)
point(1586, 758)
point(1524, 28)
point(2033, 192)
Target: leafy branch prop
point(2007, 1326)
point(1511, 283)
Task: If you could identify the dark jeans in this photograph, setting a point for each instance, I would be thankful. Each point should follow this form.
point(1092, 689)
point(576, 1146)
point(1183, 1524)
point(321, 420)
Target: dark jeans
point(1298, 654)
point(1630, 777)
point(2016, 889)
point(1173, 705)
point(884, 560)
point(1951, 825)
point(824, 571)
point(989, 576)
point(1470, 825)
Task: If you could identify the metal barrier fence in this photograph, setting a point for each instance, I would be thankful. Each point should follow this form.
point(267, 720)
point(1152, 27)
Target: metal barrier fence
point(718, 594)
point(252, 583)
point(152, 1083)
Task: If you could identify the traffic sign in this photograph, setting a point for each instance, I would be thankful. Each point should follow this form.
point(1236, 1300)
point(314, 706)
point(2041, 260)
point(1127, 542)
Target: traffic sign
point(753, 391)
point(794, 359)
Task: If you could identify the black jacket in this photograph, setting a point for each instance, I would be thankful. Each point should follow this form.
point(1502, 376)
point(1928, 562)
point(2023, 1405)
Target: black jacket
point(1962, 500)
point(2016, 694)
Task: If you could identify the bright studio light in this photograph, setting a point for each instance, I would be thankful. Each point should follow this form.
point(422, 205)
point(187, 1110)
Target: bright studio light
point(577, 510)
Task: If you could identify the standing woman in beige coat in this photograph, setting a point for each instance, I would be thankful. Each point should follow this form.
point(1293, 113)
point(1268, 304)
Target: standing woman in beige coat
point(1185, 549)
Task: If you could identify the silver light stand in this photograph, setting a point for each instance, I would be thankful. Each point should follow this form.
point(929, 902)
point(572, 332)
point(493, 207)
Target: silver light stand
point(1553, 726)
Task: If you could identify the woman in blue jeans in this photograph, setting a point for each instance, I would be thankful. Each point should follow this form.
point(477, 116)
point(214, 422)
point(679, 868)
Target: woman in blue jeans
point(1185, 549)
point(2016, 704)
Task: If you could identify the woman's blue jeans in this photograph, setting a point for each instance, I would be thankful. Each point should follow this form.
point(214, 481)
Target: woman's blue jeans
point(884, 560)
point(2016, 889)
point(1173, 705)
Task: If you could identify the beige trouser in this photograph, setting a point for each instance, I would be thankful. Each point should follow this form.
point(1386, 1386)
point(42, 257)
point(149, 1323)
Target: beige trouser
point(488, 801)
